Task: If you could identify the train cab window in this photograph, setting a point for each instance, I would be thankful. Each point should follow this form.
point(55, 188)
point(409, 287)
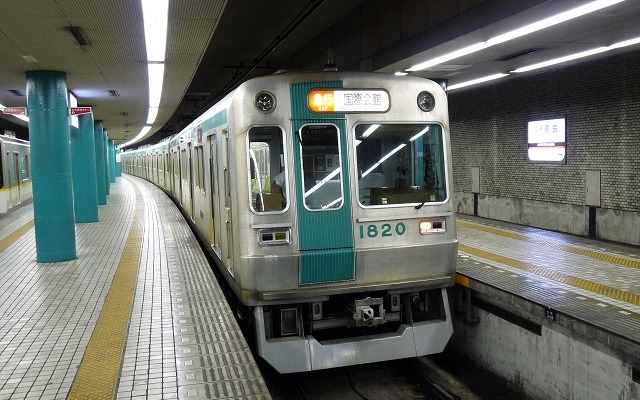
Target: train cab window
point(321, 170)
point(400, 164)
point(268, 179)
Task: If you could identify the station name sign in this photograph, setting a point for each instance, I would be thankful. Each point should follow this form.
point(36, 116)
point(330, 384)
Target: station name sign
point(546, 140)
point(348, 100)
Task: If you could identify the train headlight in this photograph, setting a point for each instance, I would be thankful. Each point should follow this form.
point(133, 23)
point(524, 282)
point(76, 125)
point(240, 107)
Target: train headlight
point(426, 101)
point(428, 226)
point(265, 102)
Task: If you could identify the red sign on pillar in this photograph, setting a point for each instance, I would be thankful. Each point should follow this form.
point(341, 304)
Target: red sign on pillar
point(15, 110)
point(80, 110)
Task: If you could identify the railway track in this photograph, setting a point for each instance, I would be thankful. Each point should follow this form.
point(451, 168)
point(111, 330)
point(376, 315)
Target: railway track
point(388, 380)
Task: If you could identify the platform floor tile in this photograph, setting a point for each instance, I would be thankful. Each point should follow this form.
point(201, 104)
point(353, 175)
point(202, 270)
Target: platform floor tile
point(182, 342)
point(591, 280)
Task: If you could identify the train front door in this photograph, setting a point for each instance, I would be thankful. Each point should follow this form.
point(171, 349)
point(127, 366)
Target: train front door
point(322, 191)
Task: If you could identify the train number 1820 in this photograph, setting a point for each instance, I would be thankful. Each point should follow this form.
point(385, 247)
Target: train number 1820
point(384, 230)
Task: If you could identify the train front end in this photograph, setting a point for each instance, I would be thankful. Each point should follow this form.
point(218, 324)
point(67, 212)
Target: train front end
point(351, 238)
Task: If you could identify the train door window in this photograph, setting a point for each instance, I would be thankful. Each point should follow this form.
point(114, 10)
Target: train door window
point(400, 164)
point(2, 161)
point(321, 170)
point(24, 168)
point(268, 179)
point(199, 178)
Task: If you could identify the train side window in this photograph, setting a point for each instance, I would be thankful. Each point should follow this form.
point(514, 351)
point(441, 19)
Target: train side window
point(266, 163)
point(321, 169)
point(400, 164)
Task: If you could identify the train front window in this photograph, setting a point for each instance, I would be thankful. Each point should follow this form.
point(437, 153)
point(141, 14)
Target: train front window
point(268, 181)
point(321, 171)
point(400, 164)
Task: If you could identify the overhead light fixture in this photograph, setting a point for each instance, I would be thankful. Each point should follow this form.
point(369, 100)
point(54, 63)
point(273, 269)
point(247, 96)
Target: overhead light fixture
point(155, 14)
point(575, 56)
point(476, 81)
point(516, 33)
point(153, 113)
point(401, 73)
point(447, 57)
point(139, 136)
point(156, 77)
point(76, 31)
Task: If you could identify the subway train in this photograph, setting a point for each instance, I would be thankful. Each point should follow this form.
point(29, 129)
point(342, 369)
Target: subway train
point(15, 179)
point(325, 200)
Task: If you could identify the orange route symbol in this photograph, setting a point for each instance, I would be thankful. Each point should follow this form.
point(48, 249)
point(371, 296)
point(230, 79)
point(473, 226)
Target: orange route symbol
point(321, 100)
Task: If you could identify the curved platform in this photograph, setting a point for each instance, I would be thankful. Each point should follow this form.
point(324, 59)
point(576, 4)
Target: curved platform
point(138, 314)
point(568, 309)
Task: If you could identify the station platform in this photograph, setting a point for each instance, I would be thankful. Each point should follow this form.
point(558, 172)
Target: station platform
point(567, 308)
point(137, 315)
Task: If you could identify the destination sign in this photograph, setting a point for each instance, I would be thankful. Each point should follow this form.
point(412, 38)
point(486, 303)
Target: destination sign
point(348, 100)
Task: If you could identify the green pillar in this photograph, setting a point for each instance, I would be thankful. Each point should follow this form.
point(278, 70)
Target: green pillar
point(112, 161)
point(83, 166)
point(48, 111)
point(118, 163)
point(105, 148)
point(98, 132)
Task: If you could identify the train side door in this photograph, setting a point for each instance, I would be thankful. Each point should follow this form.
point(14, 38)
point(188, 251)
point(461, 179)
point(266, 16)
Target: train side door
point(228, 238)
point(14, 181)
point(322, 192)
point(216, 215)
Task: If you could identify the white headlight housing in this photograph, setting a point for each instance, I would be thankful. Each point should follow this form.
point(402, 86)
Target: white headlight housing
point(428, 226)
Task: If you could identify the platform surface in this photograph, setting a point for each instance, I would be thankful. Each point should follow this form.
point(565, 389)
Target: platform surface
point(584, 279)
point(138, 314)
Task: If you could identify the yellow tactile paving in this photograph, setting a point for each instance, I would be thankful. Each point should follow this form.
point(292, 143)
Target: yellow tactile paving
point(15, 235)
point(581, 283)
point(97, 377)
point(559, 246)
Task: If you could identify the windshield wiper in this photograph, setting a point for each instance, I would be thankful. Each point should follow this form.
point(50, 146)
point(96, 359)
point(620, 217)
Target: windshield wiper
point(419, 206)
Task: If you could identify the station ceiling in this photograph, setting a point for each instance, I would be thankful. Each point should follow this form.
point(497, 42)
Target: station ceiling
point(214, 45)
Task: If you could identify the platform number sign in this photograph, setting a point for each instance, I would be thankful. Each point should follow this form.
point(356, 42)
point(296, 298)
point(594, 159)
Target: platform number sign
point(550, 313)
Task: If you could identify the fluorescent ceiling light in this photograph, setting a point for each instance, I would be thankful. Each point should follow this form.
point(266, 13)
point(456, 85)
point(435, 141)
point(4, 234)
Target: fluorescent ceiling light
point(525, 30)
point(153, 113)
point(400, 73)
point(156, 76)
point(155, 14)
point(476, 81)
point(554, 20)
point(575, 56)
point(138, 137)
point(449, 56)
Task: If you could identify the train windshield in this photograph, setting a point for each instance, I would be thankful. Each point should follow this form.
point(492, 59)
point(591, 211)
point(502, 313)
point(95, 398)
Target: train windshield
point(269, 189)
point(400, 164)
